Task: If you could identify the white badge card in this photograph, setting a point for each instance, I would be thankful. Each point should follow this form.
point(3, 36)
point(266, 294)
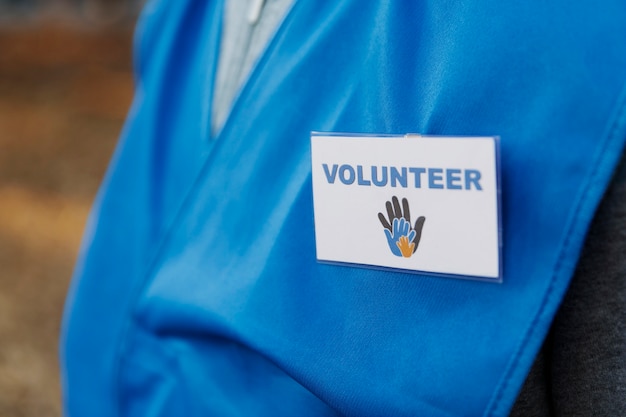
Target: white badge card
point(424, 204)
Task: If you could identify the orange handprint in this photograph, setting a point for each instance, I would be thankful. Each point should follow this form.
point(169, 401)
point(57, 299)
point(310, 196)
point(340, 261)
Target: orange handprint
point(406, 247)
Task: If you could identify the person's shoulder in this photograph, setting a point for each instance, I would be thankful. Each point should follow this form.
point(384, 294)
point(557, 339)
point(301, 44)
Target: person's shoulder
point(157, 27)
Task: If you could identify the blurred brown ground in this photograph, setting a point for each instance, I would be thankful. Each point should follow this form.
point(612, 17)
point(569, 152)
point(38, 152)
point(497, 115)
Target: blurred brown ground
point(64, 92)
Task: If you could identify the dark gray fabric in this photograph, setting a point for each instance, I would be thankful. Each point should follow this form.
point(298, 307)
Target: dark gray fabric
point(581, 369)
point(535, 398)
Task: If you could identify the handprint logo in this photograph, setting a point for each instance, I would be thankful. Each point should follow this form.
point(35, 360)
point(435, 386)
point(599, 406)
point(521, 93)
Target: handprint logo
point(403, 239)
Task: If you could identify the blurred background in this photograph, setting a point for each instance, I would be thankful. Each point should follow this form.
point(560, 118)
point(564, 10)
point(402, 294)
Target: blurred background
point(65, 87)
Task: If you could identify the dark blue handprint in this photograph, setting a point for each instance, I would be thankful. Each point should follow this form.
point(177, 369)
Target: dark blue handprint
point(401, 228)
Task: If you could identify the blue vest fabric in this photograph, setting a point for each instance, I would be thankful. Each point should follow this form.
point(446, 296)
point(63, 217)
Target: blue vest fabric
point(197, 291)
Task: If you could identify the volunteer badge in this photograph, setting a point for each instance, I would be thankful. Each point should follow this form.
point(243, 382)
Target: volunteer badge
point(372, 196)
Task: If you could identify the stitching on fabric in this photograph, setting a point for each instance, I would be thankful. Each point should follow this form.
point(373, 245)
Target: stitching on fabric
point(599, 162)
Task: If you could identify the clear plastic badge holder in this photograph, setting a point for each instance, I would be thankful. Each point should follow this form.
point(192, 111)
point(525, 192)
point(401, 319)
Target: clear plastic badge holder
point(428, 205)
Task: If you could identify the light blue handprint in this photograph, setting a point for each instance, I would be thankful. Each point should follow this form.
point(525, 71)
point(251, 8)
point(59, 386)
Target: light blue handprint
point(400, 228)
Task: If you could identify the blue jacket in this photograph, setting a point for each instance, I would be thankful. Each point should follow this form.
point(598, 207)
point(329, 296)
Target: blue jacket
point(197, 291)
